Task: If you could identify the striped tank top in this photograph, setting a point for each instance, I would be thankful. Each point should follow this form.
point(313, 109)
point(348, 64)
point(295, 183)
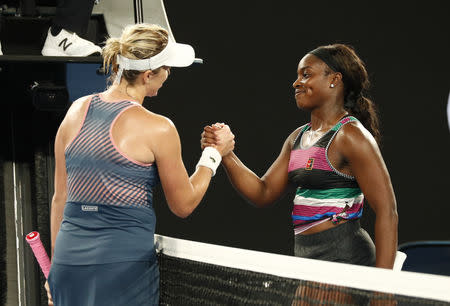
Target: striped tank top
point(108, 216)
point(323, 193)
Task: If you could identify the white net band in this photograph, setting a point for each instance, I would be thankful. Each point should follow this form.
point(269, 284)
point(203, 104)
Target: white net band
point(411, 284)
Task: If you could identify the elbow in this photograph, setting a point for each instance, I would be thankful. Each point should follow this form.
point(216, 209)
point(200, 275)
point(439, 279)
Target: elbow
point(182, 210)
point(183, 214)
point(389, 215)
point(265, 197)
point(59, 199)
point(394, 217)
point(261, 203)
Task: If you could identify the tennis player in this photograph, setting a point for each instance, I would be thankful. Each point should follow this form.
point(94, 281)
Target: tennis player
point(334, 161)
point(110, 152)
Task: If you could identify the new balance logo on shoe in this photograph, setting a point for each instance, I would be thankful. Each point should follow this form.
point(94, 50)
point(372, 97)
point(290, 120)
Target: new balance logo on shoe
point(64, 43)
point(59, 45)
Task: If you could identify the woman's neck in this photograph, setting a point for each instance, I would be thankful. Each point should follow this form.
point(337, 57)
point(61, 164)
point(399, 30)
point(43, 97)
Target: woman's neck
point(125, 90)
point(326, 117)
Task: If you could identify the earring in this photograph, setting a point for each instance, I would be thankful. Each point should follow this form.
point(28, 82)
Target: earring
point(332, 85)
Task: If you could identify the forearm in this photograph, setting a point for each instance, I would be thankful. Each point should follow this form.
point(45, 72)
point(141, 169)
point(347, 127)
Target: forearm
point(184, 194)
point(199, 181)
point(386, 230)
point(245, 181)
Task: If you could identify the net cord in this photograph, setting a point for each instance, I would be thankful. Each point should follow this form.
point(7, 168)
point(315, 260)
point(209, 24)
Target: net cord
point(412, 284)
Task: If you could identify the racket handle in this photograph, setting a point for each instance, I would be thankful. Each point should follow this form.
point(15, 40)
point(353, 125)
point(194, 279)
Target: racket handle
point(34, 240)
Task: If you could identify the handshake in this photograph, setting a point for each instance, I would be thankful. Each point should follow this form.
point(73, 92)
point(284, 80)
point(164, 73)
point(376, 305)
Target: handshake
point(218, 136)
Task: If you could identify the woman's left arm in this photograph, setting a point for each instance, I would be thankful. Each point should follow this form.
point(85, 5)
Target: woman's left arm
point(361, 151)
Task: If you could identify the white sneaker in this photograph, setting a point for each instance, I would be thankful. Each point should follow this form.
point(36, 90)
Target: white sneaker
point(68, 44)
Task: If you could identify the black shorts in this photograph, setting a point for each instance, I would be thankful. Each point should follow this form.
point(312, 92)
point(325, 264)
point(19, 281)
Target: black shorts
point(346, 243)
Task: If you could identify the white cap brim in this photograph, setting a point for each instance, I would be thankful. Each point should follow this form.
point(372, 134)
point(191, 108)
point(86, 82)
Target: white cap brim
point(173, 55)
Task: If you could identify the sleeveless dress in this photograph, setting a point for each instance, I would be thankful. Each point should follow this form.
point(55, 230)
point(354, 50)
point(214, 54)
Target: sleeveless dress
point(104, 251)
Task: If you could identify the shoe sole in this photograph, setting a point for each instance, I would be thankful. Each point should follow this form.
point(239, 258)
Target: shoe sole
point(53, 52)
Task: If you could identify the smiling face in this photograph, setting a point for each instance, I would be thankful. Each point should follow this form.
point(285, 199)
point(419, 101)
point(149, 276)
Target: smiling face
point(313, 82)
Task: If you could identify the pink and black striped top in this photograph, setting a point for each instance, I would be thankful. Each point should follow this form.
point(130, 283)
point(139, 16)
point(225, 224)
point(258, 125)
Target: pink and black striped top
point(323, 193)
point(97, 172)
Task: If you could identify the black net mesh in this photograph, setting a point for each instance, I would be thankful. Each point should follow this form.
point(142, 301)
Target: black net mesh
point(187, 282)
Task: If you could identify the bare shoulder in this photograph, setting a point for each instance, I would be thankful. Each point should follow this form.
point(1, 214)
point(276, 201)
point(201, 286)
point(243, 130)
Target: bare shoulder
point(160, 131)
point(73, 120)
point(155, 124)
point(355, 132)
point(354, 137)
point(76, 112)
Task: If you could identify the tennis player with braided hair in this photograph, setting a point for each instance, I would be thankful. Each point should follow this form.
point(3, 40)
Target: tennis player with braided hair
point(334, 161)
point(110, 152)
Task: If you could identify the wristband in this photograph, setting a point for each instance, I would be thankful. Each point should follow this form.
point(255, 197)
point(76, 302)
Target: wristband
point(210, 158)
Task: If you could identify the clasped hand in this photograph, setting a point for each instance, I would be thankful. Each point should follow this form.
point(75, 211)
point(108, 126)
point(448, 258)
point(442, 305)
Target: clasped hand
point(218, 136)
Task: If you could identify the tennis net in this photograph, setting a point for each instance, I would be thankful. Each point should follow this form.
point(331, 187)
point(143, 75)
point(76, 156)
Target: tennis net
point(195, 273)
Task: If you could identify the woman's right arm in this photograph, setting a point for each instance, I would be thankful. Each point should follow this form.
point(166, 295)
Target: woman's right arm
point(60, 192)
point(261, 191)
point(183, 193)
point(59, 198)
point(66, 132)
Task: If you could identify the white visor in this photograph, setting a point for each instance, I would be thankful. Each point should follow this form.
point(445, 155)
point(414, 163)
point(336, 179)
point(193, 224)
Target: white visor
point(173, 55)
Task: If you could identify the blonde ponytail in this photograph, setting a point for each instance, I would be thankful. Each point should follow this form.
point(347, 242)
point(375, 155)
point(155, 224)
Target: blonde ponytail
point(138, 41)
point(109, 53)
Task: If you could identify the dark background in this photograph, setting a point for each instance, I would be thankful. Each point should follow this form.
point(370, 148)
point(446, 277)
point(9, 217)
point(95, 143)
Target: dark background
point(251, 50)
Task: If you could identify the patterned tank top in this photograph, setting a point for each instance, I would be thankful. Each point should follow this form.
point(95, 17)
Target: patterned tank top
point(108, 216)
point(97, 172)
point(323, 193)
